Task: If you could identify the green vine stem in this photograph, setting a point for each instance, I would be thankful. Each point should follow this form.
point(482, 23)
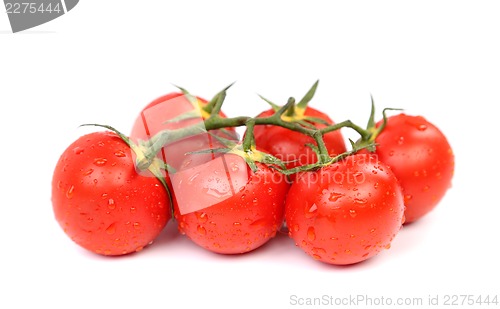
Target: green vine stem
point(281, 117)
point(165, 137)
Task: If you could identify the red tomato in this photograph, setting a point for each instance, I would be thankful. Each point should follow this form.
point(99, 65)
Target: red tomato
point(421, 158)
point(346, 212)
point(101, 202)
point(152, 120)
point(225, 207)
point(289, 145)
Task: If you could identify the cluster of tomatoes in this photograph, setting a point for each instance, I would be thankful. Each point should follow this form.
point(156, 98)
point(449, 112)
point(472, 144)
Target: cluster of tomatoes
point(340, 210)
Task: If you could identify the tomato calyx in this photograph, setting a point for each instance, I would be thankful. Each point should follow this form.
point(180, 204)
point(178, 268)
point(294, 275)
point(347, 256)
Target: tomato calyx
point(367, 139)
point(296, 112)
point(201, 109)
point(248, 152)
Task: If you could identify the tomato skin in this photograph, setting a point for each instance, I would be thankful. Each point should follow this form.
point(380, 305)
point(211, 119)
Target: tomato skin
point(231, 209)
point(421, 158)
point(101, 202)
point(290, 145)
point(346, 212)
point(152, 118)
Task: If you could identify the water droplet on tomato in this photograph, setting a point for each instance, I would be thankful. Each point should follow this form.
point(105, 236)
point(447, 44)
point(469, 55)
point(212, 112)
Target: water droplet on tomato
point(311, 233)
point(69, 193)
point(234, 167)
point(100, 161)
point(360, 200)
point(201, 230)
point(120, 153)
point(270, 190)
point(422, 127)
point(425, 188)
point(334, 196)
point(258, 222)
point(319, 250)
point(391, 153)
point(375, 185)
point(78, 150)
point(133, 209)
point(359, 177)
point(295, 228)
point(202, 217)
point(388, 246)
point(216, 192)
point(255, 200)
point(352, 213)
point(311, 211)
point(236, 223)
point(88, 172)
point(138, 249)
point(316, 257)
point(192, 178)
point(407, 198)
point(111, 203)
point(181, 228)
point(137, 225)
point(111, 229)
point(401, 140)
point(373, 230)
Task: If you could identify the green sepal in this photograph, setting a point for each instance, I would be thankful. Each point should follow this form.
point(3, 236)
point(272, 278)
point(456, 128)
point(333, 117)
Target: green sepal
point(274, 106)
point(213, 107)
point(308, 96)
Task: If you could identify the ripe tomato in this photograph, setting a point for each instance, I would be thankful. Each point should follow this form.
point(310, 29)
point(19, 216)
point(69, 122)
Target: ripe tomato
point(101, 202)
point(152, 119)
point(289, 145)
point(421, 158)
point(225, 207)
point(345, 212)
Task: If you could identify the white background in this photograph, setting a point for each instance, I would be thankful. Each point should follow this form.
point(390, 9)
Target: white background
point(104, 60)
